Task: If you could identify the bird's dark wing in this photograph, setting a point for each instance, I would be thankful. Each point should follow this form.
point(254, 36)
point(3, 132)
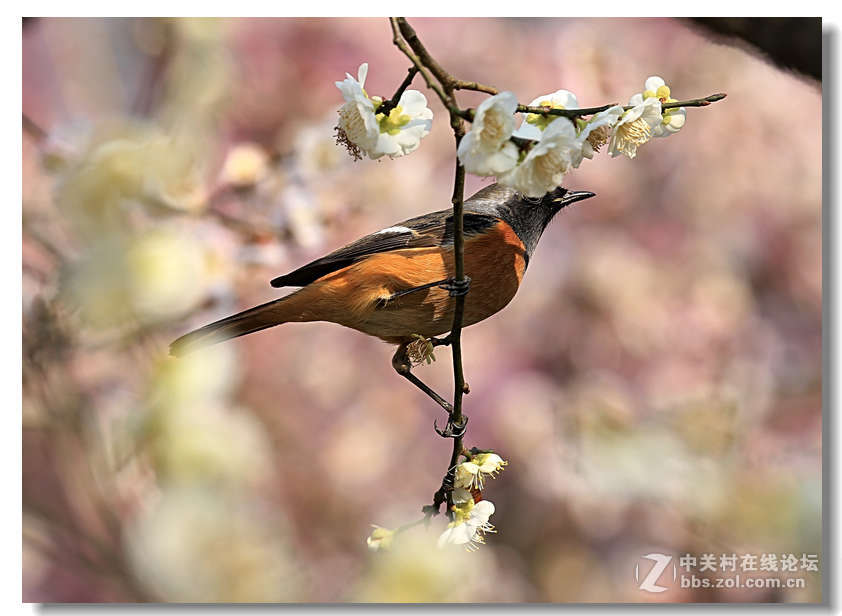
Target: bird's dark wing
point(434, 229)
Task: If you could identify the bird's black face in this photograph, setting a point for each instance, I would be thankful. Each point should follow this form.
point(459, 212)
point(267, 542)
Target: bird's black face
point(528, 217)
point(553, 202)
point(561, 197)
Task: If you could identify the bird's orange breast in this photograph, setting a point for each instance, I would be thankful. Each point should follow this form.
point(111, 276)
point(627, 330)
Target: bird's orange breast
point(357, 296)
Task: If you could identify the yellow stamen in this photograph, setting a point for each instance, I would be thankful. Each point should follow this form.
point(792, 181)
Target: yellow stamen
point(598, 137)
point(392, 123)
point(631, 135)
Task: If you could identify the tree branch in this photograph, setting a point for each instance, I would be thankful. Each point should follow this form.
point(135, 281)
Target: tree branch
point(401, 44)
point(444, 78)
point(468, 114)
point(406, 39)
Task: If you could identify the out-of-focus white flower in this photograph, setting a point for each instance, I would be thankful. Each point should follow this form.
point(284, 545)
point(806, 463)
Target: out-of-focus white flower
point(245, 165)
point(486, 149)
point(673, 119)
point(207, 443)
point(380, 538)
point(302, 215)
point(315, 151)
point(198, 379)
point(471, 474)
point(199, 546)
point(535, 123)
point(546, 163)
point(597, 132)
point(377, 134)
point(413, 572)
point(124, 165)
point(150, 277)
point(470, 523)
point(166, 274)
point(635, 126)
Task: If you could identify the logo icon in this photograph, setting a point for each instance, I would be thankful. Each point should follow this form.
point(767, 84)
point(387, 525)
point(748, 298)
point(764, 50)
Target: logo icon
point(650, 582)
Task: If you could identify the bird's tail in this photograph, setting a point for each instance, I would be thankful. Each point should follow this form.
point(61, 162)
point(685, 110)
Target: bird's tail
point(249, 321)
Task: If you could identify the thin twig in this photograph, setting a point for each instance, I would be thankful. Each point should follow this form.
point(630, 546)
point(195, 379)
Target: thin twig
point(459, 309)
point(406, 39)
point(473, 85)
point(444, 78)
point(390, 104)
point(468, 114)
point(695, 102)
point(397, 39)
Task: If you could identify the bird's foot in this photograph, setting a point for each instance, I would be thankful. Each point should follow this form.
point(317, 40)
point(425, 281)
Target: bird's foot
point(452, 429)
point(456, 287)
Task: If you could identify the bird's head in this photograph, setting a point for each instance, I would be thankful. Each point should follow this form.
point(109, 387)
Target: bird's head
point(559, 198)
point(527, 216)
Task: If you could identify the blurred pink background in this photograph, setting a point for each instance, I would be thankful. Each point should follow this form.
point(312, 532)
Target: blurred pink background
point(655, 385)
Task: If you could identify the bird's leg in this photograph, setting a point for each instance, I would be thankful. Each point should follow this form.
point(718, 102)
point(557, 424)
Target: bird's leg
point(402, 365)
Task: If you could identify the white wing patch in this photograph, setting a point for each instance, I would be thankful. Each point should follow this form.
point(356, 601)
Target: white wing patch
point(393, 230)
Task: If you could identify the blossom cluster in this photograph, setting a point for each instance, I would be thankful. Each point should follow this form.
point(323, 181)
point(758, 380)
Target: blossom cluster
point(532, 158)
point(470, 512)
point(548, 146)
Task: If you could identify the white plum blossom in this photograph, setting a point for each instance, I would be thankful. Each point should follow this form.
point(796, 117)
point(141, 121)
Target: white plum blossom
point(546, 163)
point(636, 126)
point(396, 133)
point(673, 119)
point(597, 132)
point(486, 149)
point(471, 474)
point(534, 123)
point(470, 523)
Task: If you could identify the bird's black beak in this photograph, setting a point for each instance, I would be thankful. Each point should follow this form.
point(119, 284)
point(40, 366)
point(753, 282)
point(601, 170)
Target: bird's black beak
point(572, 196)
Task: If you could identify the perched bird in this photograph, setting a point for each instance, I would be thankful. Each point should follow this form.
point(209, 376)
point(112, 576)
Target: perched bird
point(396, 284)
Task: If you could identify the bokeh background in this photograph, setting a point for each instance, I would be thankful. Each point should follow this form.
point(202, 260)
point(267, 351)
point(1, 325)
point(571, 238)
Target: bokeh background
point(655, 385)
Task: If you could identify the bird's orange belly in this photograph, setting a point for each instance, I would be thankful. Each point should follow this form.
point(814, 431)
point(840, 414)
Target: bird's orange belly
point(356, 296)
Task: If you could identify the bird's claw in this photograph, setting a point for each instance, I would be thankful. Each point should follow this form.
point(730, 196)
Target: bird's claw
point(456, 287)
point(452, 430)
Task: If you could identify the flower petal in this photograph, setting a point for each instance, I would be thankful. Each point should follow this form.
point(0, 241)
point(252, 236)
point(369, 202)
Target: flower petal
point(560, 99)
point(653, 83)
point(414, 103)
point(459, 534)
